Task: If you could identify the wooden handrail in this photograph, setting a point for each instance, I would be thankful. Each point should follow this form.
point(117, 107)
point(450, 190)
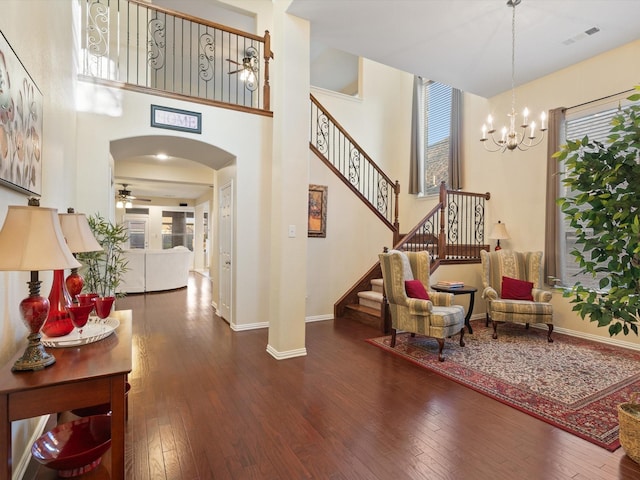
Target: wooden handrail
point(144, 46)
point(441, 246)
point(433, 234)
point(386, 208)
point(350, 138)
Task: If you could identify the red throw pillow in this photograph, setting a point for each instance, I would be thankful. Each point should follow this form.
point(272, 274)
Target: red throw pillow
point(514, 289)
point(415, 289)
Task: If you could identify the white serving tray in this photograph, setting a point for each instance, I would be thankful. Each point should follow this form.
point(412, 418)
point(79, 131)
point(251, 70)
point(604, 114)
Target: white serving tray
point(95, 330)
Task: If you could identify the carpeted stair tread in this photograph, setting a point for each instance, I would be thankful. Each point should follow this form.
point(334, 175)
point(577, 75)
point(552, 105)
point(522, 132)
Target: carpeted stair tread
point(370, 299)
point(376, 285)
point(371, 295)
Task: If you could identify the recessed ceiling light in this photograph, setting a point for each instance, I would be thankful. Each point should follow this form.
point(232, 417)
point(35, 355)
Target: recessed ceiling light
point(162, 156)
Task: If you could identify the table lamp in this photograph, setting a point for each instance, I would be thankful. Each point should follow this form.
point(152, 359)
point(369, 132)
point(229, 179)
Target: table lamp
point(499, 233)
point(31, 240)
point(79, 237)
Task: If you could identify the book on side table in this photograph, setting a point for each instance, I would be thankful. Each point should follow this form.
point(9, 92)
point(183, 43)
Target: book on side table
point(446, 284)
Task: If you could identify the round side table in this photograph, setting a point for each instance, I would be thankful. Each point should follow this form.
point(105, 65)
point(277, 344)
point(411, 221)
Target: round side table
point(464, 290)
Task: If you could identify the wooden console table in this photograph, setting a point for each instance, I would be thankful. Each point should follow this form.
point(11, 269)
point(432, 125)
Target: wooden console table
point(82, 376)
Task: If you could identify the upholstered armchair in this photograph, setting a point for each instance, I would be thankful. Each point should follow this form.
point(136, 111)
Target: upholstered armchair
point(435, 317)
point(520, 297)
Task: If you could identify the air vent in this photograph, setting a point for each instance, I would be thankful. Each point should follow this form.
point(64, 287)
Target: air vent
point(581, 36)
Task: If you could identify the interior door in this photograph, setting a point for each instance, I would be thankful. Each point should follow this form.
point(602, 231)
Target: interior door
point(138, 230)
point(226, 247)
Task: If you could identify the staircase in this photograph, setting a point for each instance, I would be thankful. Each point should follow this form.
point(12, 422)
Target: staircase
point(448, 232)
point(369, 307)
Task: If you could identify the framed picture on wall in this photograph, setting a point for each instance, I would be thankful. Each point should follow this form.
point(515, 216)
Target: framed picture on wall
point(20, 125)
point(317, 222)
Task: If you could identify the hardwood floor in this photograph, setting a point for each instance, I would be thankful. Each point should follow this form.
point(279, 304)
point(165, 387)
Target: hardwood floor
point(209, 403)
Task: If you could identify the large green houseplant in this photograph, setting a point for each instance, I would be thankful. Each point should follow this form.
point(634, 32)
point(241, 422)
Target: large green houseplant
point(604, 208)
point(103, 270)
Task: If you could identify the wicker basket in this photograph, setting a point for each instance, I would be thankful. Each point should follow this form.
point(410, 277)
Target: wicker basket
point(629, 419)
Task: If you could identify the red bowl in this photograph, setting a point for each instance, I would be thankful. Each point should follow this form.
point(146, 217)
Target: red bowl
point(76, 447)
point(99, 409)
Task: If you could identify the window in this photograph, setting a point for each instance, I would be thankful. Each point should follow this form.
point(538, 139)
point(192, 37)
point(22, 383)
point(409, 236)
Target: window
point(594, 121)
point(177, 229)
point(436, 116)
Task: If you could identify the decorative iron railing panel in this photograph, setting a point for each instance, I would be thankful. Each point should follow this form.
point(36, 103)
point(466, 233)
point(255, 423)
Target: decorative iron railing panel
point(330, 141)
point(135, 43)
point(454, 230)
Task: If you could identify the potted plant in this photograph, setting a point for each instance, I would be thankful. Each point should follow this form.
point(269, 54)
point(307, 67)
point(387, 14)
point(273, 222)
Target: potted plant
point(605, 211)
point(103, 270)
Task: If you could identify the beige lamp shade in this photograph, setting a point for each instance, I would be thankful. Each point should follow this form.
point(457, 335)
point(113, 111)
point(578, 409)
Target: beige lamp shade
point(77, 233)
point(499, 232)
point(31, 240)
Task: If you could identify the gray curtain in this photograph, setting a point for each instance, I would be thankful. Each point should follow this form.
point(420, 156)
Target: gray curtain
point(416, 168)
point(455, 141)
point(552, 257)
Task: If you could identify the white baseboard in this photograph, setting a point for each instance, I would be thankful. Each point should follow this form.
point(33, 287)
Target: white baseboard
point(23, 463)
point(248, 326)
point(255, 326)
point(319, 318)
point(590, 336)
point(300, 352)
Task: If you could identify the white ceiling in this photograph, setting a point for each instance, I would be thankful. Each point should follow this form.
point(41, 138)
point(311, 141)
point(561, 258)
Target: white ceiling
point(183, 153)
point(467, 43)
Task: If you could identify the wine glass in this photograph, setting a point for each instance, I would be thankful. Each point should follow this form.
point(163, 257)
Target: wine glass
point(79, 315)
point(103, 306)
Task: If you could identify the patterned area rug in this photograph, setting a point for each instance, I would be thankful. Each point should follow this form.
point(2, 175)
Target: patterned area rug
point(573, 384)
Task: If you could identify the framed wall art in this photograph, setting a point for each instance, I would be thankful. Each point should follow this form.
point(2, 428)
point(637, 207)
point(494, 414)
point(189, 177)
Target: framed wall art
point(317, 222)
point(175, 119)
point(20, 125)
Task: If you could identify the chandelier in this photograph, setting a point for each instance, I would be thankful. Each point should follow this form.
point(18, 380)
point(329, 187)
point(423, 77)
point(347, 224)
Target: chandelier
point(523, 136)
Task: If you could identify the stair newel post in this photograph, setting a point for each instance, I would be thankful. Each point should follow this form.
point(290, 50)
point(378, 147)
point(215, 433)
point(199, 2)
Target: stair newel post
point(442, 240)
point(268, 54)
point(396, 222)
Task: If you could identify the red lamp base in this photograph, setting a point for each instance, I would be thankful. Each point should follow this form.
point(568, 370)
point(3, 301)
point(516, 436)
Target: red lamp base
point(34, 310)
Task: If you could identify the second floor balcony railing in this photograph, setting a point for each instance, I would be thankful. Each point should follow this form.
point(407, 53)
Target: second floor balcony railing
point(147, 47)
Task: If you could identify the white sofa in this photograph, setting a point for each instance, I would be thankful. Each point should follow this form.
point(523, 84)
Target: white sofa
point(156, 270)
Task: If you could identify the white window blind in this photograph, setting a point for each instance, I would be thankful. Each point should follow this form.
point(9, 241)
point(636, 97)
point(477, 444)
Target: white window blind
point(437, 131)
point(594, 122)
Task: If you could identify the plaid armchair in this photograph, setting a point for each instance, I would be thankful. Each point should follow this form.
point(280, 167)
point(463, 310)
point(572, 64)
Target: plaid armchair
point(436, 317)
point(525, 266)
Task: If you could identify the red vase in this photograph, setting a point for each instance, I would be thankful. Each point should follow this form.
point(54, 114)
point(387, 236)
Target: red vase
point(58, 321)
point(74, 284)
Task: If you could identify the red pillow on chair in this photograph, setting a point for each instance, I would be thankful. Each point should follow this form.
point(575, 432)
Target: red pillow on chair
point(415, 289)
point(514, 289)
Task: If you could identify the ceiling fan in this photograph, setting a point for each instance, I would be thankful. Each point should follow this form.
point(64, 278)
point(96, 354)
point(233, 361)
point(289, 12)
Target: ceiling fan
point(125, 197)
point(248, 69)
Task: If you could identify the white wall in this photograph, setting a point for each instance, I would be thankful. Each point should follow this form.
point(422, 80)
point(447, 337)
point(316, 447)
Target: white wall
point(46, 50)
point(226, 129)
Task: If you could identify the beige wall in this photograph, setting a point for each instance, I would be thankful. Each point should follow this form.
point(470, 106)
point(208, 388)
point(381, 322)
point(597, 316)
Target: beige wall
point(516, 180)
